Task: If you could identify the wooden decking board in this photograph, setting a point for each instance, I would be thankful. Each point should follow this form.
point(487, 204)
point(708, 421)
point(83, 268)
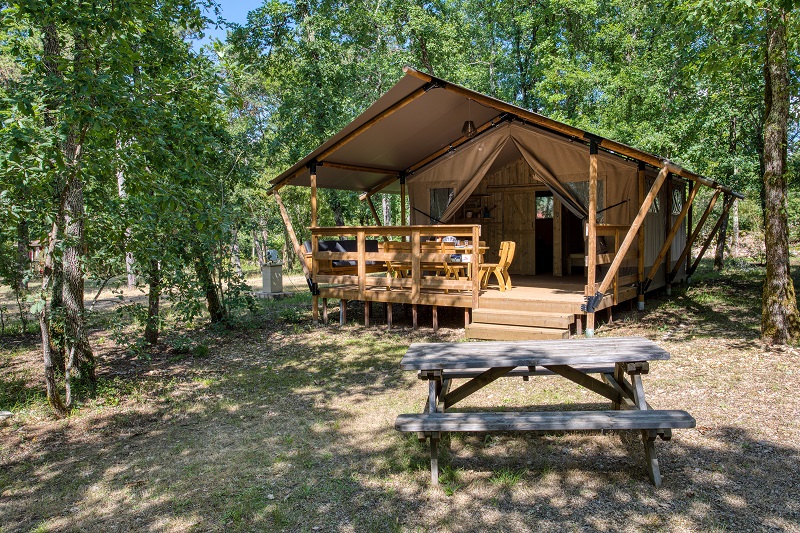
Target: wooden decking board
point(502, 332)
point(538, 353)
point(545, 421)
point(523, 318)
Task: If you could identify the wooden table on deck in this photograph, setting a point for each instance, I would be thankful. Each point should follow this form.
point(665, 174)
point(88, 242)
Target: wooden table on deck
point(620, 362)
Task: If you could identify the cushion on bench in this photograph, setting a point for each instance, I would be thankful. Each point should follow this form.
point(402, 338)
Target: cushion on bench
point(344, 245)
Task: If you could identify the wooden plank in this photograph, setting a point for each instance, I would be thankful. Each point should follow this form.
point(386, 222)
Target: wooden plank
point(545, 421)
point(424, 356)
point(475, 384)
point(357, 168)
point(522, 371)
point(503, 332)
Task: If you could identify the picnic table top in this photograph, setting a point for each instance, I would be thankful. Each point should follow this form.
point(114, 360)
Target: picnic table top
point(462, 355)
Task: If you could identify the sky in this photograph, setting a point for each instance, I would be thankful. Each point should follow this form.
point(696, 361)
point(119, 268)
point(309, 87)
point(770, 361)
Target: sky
point(232, 11)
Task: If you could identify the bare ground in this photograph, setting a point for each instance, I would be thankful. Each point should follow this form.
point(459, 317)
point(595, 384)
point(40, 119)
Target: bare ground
point(284, 427)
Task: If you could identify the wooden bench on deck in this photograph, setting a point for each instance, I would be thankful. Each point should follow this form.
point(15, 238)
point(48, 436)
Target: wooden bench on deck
point(619, 361)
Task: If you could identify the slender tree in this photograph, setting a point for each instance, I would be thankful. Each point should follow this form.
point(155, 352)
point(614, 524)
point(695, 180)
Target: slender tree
point(780, 321)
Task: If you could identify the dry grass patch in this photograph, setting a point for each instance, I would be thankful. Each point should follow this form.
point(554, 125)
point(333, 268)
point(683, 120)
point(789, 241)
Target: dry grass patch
point(285, 427)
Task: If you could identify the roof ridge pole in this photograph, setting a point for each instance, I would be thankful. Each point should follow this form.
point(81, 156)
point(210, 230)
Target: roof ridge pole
point(591, 249)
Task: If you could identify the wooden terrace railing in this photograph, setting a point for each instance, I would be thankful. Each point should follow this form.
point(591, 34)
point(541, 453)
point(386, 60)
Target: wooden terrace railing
point(414, 258)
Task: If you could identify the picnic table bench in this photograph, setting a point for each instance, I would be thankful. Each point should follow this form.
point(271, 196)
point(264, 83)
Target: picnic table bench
point(620, 362)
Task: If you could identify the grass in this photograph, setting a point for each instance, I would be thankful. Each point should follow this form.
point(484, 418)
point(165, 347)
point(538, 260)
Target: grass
point(279, 426)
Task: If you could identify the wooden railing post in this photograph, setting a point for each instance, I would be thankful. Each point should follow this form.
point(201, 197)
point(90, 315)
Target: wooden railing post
point(362, 264)
point(592, 236)
point(474, 266)
point(416, 274)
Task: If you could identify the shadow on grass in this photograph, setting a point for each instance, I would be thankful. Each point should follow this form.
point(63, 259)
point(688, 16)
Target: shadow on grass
point(285, 427)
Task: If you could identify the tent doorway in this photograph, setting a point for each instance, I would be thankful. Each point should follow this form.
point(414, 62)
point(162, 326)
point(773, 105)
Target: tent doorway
point(518, 227)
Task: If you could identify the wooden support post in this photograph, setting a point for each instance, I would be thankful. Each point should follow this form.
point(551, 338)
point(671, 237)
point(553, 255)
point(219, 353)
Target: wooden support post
point(466, 317)
point(403, 201)
point(635, 225)
point(667, 241)
point(342, 312)
point(375, 215)
point(557, 256)
point(579, 325)
point(689, 255)
point(475, 269)
point(367, 307)
point(325, 311)
point(414, 317)
point(640, 233)
point(315, 309)
point(700, 223)
point(728, 203)
point(416, 273)
point(361, 246)
point(666, 248)
point(389, 315)
point(298, 250)
point(435, 318)
point(313, 179)
point(591, 234)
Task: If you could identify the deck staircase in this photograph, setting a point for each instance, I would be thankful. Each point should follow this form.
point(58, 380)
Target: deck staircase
point(514, 320)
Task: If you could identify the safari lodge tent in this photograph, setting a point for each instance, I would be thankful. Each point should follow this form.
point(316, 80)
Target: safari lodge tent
point(593, 222)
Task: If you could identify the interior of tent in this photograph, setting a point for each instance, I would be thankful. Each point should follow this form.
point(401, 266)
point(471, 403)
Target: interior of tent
point(502, 178)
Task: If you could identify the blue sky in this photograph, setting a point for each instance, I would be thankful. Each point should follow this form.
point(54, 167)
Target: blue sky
point(232, 11)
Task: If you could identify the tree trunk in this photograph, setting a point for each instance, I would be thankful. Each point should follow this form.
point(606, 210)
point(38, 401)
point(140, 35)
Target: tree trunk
point(151, 329)
point(719, 255)
point(128, 255)
point(215, 307)
point(237, 263)
point(53, 397)
point(23, 260)
point(780, 323)
point(735, 228)
point(80, 353)
point(387, 212)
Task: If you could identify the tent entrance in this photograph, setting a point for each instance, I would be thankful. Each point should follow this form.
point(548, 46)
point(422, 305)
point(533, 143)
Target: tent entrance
point(544, 232)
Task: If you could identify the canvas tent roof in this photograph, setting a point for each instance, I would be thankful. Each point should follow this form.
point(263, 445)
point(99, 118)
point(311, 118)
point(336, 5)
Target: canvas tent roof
point(419, 121)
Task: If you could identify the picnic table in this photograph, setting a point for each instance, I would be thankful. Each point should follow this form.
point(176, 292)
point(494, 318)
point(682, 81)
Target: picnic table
point(620, 363)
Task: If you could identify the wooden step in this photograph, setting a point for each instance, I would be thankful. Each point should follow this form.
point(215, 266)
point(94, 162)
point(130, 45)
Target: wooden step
point(535, 306)
point(500, 332)
point(523, 318)
point(545, 421)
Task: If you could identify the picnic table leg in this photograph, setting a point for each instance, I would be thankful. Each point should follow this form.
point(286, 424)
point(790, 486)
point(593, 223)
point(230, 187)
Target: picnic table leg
point(648, 438)
point(434, 458)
